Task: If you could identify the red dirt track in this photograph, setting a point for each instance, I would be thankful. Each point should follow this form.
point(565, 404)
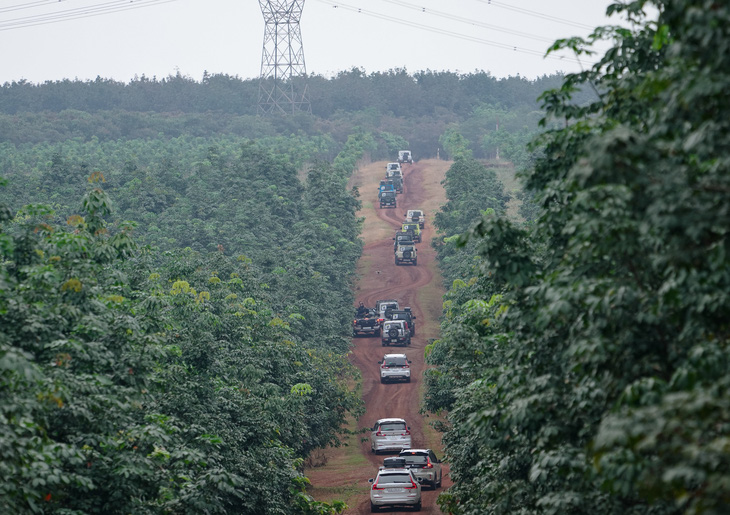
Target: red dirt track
point(416, 286)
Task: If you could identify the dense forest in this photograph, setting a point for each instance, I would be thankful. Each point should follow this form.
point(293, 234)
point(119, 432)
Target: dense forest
point(583, 362)
point(396, 107)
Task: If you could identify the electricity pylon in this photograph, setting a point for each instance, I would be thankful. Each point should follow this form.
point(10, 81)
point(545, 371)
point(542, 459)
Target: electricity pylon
point(283, 81)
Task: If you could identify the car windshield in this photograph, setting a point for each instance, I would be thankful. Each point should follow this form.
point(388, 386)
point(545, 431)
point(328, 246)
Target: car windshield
point(393, 426)
point(399, 361)
point(394, 478)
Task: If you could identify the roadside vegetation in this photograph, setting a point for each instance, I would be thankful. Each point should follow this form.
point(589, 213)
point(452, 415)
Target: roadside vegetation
point(583, 359)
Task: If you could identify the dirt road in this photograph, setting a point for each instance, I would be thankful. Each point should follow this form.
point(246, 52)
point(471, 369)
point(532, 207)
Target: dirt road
point(416, 286)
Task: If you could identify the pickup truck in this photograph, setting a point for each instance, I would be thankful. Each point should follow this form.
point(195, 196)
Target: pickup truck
point(396, 332)
point(367, 323)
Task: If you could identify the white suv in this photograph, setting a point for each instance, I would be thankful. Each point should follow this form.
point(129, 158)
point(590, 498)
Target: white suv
point(395, 487)
point(390, 434)
point(394, 367)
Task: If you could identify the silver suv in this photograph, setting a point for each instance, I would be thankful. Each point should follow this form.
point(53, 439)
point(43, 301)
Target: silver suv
point(390, 434)
point(394, 367)
point(395, 487)
point(395, 332)
point(425, 465)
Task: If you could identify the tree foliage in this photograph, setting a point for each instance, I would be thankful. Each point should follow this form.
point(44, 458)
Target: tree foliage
point(597, 381)
point(144, 380)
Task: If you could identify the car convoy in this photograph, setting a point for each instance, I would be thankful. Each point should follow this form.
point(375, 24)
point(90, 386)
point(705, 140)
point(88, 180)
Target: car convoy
point(398, 482)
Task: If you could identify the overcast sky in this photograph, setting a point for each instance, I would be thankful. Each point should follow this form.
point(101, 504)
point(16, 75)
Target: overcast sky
point(161, 37)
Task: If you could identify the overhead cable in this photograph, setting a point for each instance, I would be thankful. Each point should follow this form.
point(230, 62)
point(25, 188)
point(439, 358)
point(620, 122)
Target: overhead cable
point(536, 14)
point(457, 35)
point(469, 21)
point(79, 12)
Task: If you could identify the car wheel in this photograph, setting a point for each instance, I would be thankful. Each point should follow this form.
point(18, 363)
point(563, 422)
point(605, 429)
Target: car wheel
point(382, 380)
point(415, 262)
point(377, 333)
point(408, 379)
point(373, 508)
point(438, 484)
point(417, 507)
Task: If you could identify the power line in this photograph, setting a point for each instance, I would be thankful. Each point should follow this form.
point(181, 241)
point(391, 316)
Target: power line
point(442, 14)
point(449, 33)
point(79, 12)
point(29, 5)
point(536, 14)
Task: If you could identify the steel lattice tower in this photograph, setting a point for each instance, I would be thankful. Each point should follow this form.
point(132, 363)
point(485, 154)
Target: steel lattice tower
point(283, 81)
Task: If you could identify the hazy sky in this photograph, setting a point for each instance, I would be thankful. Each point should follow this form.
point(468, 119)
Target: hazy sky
point(161, 37)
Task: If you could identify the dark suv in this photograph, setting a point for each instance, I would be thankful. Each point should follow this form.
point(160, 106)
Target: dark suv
point(407, 315)
point(387, 199)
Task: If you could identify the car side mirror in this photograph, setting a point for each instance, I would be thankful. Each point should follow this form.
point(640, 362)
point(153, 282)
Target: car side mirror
point(380, 362)
point(371, 480)
point(409, 361)
point(420, 480)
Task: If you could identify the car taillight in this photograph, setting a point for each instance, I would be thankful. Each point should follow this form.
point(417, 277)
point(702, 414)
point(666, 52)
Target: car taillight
point(354, 322)
point(376, 487)
point(429, 465)
point(406, 366)
point(406, 433)
point(413, 485)
point(383, 366)
point(379, 433)
point(381, 320)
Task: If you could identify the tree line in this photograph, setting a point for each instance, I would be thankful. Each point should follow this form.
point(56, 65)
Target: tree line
point(186, 369)
point(583, 358)
point(412, 110)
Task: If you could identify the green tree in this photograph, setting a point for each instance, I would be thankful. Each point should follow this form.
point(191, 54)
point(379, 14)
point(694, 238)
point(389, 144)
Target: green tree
point(605, 384)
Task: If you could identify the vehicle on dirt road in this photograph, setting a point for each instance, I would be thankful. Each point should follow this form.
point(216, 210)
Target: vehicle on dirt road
point(425, 465)
point(384, 306)
point(387, 199)
point(397, 183)
point(395, 367)
point(406, 226)
point(406, 253)
point(385, 185)
point(395, 332)
point(392, 167)
point(416, 216)
point(395, 487)
point(405, 156)
point(407, 315)
point(402, 238)
point(390, 435)
point(367, 323)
